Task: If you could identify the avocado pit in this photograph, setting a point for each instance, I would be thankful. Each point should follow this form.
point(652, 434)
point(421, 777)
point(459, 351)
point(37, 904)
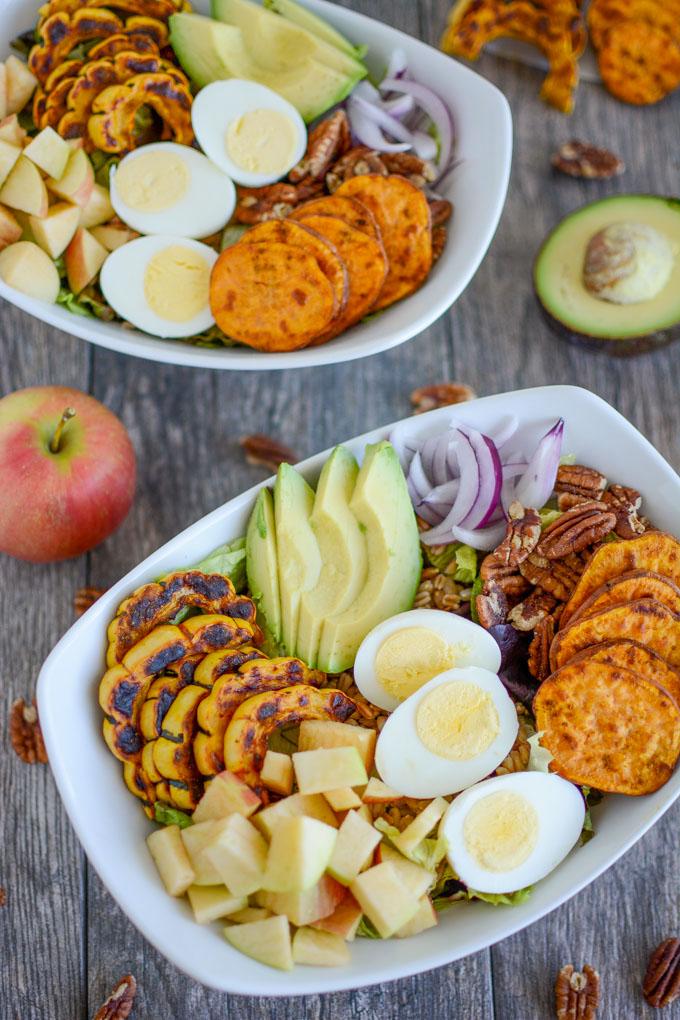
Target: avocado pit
point(627, 263)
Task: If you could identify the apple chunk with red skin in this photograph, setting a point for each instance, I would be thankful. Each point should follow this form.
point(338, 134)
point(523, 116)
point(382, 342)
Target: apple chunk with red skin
point(84, 257)
point(54, 505)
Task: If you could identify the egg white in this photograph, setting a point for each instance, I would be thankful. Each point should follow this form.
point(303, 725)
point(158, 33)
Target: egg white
point(205, 207)
point(407, 765)
point(477, 648)
point(217, 105)
point(560, 809)
point(122, 283)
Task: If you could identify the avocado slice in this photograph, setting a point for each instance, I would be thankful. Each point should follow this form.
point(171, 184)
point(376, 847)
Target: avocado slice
point(381, 504)
point(344, 556)
point(299, 560)
point(262, 564)
point(580, 316)
point(299, 15)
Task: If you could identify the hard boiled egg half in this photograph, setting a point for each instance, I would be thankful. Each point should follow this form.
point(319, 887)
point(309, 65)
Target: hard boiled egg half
point(508, 832)
point(249, 131)
point(161, 285)
point(447, 736)
point(398, 656)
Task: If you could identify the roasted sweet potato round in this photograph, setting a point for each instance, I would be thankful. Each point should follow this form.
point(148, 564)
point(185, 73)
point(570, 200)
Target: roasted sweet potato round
point(636, 657)
point(608, 728)
point(646, 620)
point(348, 209)
point(635, 584)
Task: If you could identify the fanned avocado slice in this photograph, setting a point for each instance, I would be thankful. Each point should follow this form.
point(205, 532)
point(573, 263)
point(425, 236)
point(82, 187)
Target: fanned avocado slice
point(299, 15)
point(582, 317)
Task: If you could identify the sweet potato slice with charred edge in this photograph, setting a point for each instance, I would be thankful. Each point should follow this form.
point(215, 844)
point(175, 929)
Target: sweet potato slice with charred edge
point(366, 264)
point(647, 621)
point(636, 657)
point(274, 297)
point(402, 213)
point(231, 690)
point(161, 601)
point(253, 722)
point(304, 236)
point(353, 212)
point(608, 728)
point(636, 584)
point(654, 551)
point(173, 753)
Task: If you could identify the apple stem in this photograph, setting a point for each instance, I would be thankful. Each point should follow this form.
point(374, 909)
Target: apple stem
point(55, 441)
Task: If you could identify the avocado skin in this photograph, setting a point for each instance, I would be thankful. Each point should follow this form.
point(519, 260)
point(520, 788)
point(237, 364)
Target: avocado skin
point(625, 348)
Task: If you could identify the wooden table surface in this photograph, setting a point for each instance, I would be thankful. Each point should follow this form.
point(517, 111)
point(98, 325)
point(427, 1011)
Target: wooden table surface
point(63, 941)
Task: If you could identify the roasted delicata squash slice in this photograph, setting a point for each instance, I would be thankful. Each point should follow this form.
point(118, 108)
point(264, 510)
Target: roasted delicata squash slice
point(126, 41)
point(227, 660)
point(161, 9)
point(63, 31)
point(231, 690)
point(212, 631)
point(159, 602)
point(112, 124)
point(173, 754)
point(159, 698)
point(253, 722)
point(140, 784)
point(56, 103)
point(157, 30)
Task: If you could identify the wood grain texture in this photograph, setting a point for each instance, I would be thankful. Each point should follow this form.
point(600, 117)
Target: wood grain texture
point(63, 941)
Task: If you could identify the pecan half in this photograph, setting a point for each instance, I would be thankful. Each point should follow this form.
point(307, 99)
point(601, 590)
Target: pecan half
point(267, 452)
point(528, 614)
point(513, 586)
point(439, 238)
point(579, 159)
point(538, 662)
point(625, 503)
point(359, 160)
point(418, 171)
point(119, 1004)
point(491, 605)
point(566, 500)
point(576, 529)
point(577, 993)
point(661, 984)
point(25, 734)
point(327, 142)
point(581, 480)
point(521, 537)
point(426, 398)
point(440, 211)
point(273, 202)
point(3, 896)
point(84, 598)
point(555, 576)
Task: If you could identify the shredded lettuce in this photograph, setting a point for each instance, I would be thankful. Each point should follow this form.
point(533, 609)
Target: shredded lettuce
point(228, 559)
point(539, 757)
point(366, 929)
point(166, 815)
point(465, 558)
point(548, 515)
point(428, 854)
point(568, 458)
point(476, 590)
point(591, 797)
point(85, 303)
point(502, 899)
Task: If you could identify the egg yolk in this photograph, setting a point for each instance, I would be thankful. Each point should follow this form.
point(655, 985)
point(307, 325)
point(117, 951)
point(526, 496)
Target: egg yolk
point(262, 141)
point(176, 283)
point(153, 181)
point(408, 658)
point(501, 831)
point(457, 721)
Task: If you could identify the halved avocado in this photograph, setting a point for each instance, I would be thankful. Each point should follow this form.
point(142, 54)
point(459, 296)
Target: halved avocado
point(581, 317)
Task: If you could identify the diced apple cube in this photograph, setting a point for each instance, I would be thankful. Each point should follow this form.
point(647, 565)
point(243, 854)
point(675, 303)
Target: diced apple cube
point(277, 772)
point(11, 131)
point(266, 941)
point(21, 84)
point(365, 812)
point(226, 795)
point(3, 91)
point(23, 187)
point(353, 849)
point(249, 914)
point(298, 855)
point(415, 878)
point(77, 181)
point(55, 231)
point(114, 235)
point(343, 799)
point(421, 825)
point(425, 917)
point(315, 733)
point(196, 839)
point(328, 768)
point(84, 257)
point(98, 209)
point(209, 902)
point(377, 792)
point(10, 228)
point(311, 805)
point(49, 152)
point(28, 269)
point(384, 899)
point(305, 907)
point(319, 948)
point(239, 855)
point(171, 859)
point(344, 920)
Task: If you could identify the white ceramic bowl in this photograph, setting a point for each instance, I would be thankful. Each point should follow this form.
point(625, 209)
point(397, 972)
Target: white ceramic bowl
point(477, 189)
point(112, 827)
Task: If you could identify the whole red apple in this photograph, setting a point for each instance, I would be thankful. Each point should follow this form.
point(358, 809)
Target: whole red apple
point(67, 473)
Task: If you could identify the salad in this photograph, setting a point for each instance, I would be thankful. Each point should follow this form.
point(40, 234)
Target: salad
point(219, 180)
point(401, 690)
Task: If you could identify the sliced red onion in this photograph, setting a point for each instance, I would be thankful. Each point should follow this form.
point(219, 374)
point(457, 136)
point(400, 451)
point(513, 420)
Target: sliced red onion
point(424, 145)
point(538, 481)
point(433, 106)
point(485, 539)
point(404, 446)
point(417, 480)
point(367, 91)
point(397, 65)
point(465, 499)
point(505, 431)
point(436, 505)
point(367, 132)
point(514, 468)
point(490, 479)
point(384, 120)
point(437, 454)
point(399, 107)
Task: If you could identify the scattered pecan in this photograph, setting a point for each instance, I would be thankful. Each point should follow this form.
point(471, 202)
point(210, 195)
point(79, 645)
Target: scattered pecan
point(555, 577)
point(576, 529)
point(359, 160)
point(267, 452)
point(327, 142)
point(309, 189)
point(273, 202)
point(513, 586)
point(521, 537)
point(418, 171)
point(426, 398)
point(528, 614)
point(538, 662)
point(119, 1004)
point(3, 896)
point(491, 605)
point(25, 734)
point(577, 993)
point(84, 598)
point(580, 480)
point(661, 984)
point(566, 500)
point(439, 238)
point(440, 211)
point(579, 159)
point(625, 503)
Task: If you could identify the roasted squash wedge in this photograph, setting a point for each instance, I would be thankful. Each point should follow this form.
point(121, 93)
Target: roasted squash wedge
point(157, 30)
point(228, 660)
point(112, 124)
point(231, 690)
point(140, 784)
point(253, 722)
point(161, 9)
point(173, 753)
point(159, 698)
point(137, 42)
point(63, 31)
